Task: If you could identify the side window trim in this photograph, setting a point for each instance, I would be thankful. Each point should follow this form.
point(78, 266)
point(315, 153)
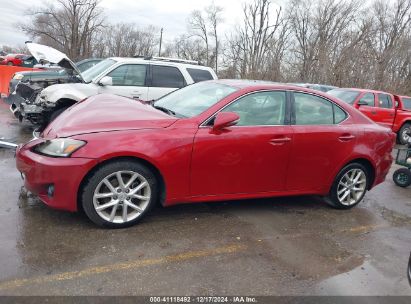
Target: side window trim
point(292, 105)
point(287, 114)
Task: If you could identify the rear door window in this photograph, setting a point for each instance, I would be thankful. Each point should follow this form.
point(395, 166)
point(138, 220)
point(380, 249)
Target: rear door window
point(384, 101)
point(167, 77)
point(406, 103)
point(369, 99)
point(199, 75)
point(314, 110)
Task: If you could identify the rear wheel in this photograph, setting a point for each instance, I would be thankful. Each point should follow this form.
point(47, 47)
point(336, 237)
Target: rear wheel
point(9, 63)
point(349, 187)
point(405, 134)
point(119, 194)
point(402, 177)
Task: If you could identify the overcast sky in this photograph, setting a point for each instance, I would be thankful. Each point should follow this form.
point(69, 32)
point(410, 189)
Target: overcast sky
point(169, 14)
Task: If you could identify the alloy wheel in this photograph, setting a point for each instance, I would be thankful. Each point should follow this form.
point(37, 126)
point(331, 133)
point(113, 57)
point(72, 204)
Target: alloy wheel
point(351, 187)
point(122, 196)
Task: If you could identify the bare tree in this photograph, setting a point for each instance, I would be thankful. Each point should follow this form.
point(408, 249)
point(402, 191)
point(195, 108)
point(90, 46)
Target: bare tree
point(68, 25)
point(198, 28)
point(392, 25)
point(185, 47)
point(126, 40)
point(214, 18)
point(256, 41)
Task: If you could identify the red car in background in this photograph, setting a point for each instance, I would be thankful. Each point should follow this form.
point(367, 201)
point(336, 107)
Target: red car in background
point(116, 157)
point(13, 59)
point(386, 109)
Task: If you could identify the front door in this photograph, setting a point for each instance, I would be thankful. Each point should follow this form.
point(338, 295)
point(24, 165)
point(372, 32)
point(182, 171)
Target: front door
point(250, 157)
point(129, 80)
point(320, 142)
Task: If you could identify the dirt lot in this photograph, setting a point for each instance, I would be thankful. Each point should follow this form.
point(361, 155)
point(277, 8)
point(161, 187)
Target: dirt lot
point(280, 246)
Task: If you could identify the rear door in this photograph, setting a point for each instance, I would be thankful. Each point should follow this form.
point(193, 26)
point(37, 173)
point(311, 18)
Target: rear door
point(129, 80)
point(320, 142)
point(163, 80)
point(386, 110)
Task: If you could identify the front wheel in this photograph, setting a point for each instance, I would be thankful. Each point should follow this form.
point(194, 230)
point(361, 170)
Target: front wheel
point(349, 187)
point(402, 177)
point(119, 194)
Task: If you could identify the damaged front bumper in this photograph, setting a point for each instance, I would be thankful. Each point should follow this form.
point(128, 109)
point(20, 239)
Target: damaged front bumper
point(29, 111)
point(24, 103)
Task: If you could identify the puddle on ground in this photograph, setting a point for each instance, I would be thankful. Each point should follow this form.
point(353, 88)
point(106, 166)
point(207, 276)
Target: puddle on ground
point(364, 280)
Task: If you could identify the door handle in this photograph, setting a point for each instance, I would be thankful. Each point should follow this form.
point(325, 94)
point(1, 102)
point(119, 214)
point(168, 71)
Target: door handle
point(346, 137)
point(373, 112)
point(280, 140)
point(136, 94)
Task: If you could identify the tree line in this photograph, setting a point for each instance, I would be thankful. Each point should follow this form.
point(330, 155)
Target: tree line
point(347, 43)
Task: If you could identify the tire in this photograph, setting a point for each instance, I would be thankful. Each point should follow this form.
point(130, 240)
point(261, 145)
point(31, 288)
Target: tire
point(336, 195)
point(9, 63)
point(56, 113)
point(95, 184)
point(403, 137)
point(402, 177)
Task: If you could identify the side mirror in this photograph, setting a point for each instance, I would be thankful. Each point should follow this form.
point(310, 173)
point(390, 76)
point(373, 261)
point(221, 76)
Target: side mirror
point(225, 120)
point(106, 81)
point(362, 103)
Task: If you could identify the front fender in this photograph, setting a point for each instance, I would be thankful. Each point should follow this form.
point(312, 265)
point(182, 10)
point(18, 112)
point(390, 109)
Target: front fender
point(76, 92)
point(168, 150)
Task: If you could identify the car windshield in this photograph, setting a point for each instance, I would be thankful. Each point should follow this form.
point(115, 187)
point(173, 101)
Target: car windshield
point(91, 73)
point(194, 99)
point(347, 96)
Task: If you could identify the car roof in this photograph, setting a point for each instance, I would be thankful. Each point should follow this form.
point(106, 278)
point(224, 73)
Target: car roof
point(363, 90)
point(89, 59)
point(312, 84)
point(245, 83)
point(161, 62)
point(261, 85)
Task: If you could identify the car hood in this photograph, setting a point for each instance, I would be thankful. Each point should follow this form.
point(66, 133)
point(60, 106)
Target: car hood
point(105, 113)
point(43, 52)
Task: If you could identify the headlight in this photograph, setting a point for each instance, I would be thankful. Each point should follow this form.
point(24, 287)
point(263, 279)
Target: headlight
point(59, 147)
point(18, 76)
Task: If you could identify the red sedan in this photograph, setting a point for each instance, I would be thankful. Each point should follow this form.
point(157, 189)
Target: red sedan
point(218, 140)
point(13, 59)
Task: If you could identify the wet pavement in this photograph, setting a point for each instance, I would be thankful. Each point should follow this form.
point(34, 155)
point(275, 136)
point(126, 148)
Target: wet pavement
point(282, 246)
